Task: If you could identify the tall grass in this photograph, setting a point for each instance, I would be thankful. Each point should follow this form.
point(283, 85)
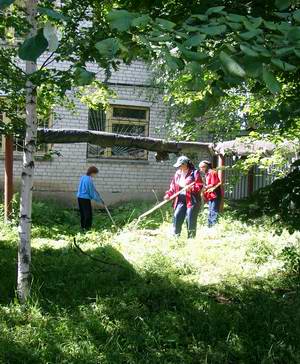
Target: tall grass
point(140, 296)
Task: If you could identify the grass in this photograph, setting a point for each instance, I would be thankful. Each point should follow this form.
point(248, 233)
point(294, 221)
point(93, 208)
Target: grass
point(229, 296)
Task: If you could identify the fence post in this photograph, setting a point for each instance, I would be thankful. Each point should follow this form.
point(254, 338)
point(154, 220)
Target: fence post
point(221, 173)
point(8, 177)
point(250, 181)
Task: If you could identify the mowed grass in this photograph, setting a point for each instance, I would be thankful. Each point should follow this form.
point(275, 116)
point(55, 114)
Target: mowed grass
point(138, 295)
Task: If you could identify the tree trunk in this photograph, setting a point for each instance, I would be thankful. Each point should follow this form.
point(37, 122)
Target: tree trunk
point(8, 177)
point(221, 173)
point(24, 252)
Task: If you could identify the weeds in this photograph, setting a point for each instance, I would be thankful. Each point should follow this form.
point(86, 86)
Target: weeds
point(228, 296)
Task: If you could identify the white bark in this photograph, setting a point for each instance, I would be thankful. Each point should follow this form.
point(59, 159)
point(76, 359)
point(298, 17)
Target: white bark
point(24, 252)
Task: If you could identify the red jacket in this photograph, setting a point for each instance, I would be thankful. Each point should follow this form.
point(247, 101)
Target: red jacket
point(212, 179)
point(192, 176)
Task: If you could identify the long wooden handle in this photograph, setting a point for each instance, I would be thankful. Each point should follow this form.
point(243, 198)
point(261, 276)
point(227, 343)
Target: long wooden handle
point(109, 214)
point(164, 202)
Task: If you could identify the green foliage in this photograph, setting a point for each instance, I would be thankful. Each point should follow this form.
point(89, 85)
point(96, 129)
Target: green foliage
point(271, 82)
point(195, 40)
point(32, 48)
point(108, 48)
point(296, 15)
point(51, 13)
point(215, 49)
point(5, 3)
point(291, 257)
point(283, 65)
point(95, 94)
point(165, 24)
point(120, 19)
point(215, 10)
point(280, 200)
point(238, 54)
point(213, 30)
point(83, 77)
point(282, 4)
point(231, 65)
point(249, 51)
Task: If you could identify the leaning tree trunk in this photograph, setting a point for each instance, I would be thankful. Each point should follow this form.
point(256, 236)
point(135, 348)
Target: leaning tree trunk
point(24, 252)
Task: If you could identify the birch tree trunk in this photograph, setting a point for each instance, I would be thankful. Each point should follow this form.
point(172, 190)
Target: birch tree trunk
point(24, 251)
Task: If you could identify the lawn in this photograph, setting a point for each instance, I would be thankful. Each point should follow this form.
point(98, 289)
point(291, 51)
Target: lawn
point(136, 295)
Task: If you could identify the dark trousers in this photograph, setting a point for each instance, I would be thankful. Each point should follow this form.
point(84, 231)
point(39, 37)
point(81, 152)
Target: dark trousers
point(86, 214)
point(213, 211)
point(182, 212)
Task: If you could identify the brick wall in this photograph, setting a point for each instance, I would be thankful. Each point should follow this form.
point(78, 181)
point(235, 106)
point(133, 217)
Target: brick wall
point(118, 180)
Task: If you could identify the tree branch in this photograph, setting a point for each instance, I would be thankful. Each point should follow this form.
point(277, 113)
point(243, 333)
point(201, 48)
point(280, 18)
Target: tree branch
point(95, 258)
point(46, 61)
point(13, 65)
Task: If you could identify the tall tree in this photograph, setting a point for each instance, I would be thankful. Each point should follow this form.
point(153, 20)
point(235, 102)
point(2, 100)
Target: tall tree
point(24, 252)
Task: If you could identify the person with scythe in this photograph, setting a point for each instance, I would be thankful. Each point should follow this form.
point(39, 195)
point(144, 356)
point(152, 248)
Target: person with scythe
point(187, 185)
point(213, 192)
point(86, 193)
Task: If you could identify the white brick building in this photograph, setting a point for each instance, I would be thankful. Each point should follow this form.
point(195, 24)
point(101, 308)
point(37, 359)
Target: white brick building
point(124, 174)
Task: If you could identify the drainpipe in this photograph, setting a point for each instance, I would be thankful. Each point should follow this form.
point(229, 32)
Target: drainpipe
point(251, 181)
point(221, 173)
point(8, 177)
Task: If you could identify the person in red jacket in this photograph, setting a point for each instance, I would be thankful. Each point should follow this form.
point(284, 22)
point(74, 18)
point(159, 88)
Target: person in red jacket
point(212, 191)
point(187, 204)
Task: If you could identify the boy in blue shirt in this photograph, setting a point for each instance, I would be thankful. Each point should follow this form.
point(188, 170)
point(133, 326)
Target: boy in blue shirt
point(86, 193)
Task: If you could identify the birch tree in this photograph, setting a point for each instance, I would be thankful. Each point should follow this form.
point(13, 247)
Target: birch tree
point(24, 251)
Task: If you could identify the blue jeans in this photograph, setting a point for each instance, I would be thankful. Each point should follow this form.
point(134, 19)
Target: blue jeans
point(213, 211)
point(182, 212)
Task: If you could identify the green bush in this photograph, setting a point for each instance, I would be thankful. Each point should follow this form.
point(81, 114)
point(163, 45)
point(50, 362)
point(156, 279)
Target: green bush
point(280, 201)
point(291, 258)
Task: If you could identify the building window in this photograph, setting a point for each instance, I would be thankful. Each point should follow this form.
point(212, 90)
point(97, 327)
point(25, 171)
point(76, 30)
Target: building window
point(126, 120)
point(19, 143)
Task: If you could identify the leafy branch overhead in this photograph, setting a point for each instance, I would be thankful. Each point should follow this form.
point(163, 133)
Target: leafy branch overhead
point(212, 51)
point(234, 47)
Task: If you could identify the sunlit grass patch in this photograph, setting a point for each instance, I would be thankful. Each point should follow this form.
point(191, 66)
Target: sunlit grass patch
point(135, 294)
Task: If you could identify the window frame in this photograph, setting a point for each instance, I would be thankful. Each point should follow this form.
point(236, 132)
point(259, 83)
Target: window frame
point(112, 120)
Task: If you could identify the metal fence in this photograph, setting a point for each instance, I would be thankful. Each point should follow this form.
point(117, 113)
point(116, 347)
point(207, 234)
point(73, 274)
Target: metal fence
point(236, 184)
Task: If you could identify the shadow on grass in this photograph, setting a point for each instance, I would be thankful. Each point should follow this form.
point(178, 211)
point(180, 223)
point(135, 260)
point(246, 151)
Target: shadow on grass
point(8, 270)
point(86, 312)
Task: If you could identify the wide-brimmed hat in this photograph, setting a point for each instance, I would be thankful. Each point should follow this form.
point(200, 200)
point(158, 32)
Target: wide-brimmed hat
point(181, 160)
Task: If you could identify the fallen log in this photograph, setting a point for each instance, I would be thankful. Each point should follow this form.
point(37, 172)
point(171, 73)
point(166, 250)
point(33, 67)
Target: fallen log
point(243, 147)
point(104, 139)
point(239, 147)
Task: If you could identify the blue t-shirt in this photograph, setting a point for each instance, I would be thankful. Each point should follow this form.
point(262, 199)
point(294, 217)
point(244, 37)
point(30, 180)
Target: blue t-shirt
point(87, 190)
